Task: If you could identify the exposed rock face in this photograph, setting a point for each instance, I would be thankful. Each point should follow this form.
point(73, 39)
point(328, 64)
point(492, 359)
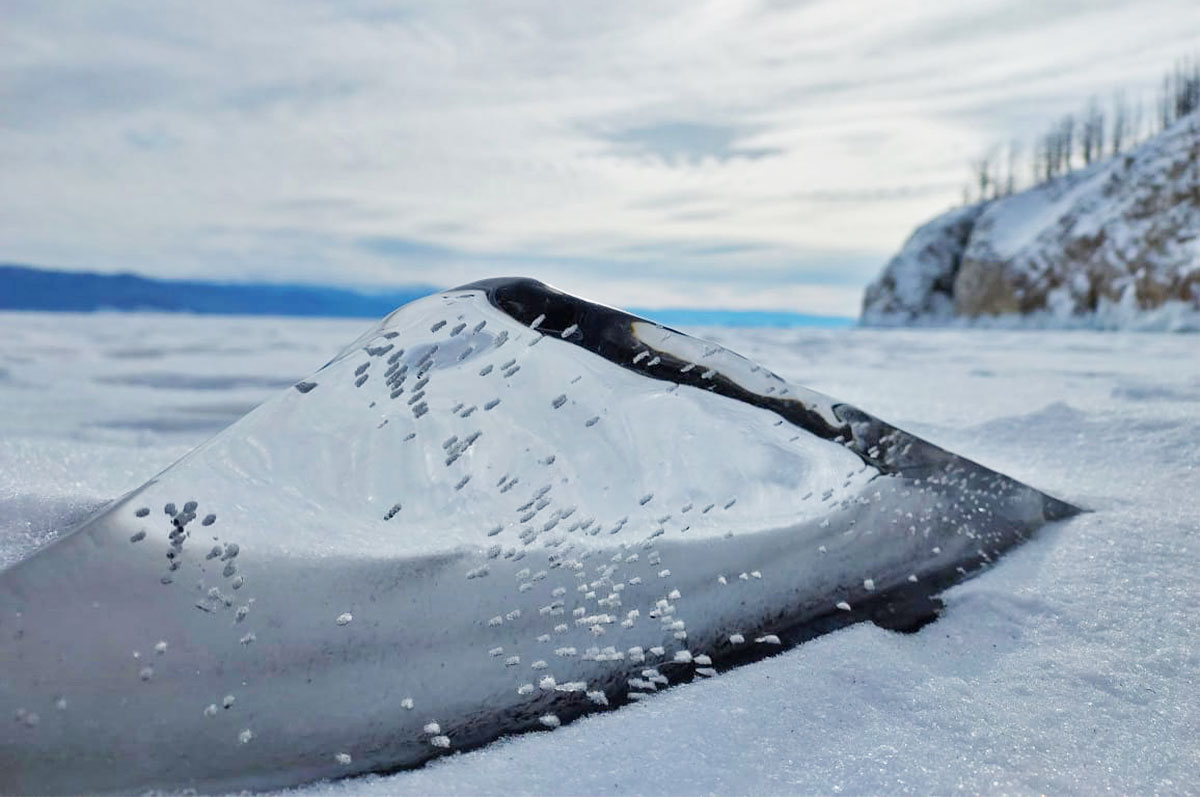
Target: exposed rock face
point(1112, 244)
point(919, 281)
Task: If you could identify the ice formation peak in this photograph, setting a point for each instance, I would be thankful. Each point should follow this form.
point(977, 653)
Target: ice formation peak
point(498, 509)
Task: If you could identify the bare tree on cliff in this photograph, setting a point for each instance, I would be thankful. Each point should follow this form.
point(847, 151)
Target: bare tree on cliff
point(1092, 133)
point(1187, 88)
point(1180, 93)
point(1120, 122)
point(1053, 153)
point(1066, 143)
point(981, 168)
point(1014, 155)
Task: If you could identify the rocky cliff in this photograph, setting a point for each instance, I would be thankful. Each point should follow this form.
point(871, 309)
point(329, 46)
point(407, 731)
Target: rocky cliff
point(1113, 245)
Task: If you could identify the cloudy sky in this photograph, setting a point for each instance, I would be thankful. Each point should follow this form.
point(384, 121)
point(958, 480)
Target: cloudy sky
point(748, 154)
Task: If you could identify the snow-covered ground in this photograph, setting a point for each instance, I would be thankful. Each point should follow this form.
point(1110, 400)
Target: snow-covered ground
point(1069, 667)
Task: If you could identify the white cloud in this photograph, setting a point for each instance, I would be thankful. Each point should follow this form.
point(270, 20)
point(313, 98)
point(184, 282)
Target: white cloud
point(634, 149)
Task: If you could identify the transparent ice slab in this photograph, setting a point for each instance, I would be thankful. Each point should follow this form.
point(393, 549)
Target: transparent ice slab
point(499, 509)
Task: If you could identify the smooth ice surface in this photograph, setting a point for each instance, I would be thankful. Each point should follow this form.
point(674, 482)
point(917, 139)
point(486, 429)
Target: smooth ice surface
point(502, 503)
point(1068, 668)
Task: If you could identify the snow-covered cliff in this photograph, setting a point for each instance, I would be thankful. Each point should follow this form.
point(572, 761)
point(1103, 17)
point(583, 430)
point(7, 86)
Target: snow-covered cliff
point(1115, 245)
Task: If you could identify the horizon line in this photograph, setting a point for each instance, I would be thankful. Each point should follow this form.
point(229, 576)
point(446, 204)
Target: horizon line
point(42, 291)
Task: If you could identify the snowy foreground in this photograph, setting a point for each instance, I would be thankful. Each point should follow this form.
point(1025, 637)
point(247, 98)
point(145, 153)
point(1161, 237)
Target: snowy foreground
point(1069, 667)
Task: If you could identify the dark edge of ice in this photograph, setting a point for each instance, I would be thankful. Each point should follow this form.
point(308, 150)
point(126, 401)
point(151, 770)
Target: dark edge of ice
point(609, 333)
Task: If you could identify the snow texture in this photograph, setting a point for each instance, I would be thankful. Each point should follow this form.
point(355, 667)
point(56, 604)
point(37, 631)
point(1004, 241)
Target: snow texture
point(1112, 246)
point(1069, 668)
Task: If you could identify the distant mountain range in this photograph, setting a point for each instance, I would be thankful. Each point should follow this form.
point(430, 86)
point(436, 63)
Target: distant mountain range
point(28, 288)
point(25, 288)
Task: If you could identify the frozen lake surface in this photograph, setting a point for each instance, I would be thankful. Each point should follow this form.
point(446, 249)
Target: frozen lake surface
point(1069, 667)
